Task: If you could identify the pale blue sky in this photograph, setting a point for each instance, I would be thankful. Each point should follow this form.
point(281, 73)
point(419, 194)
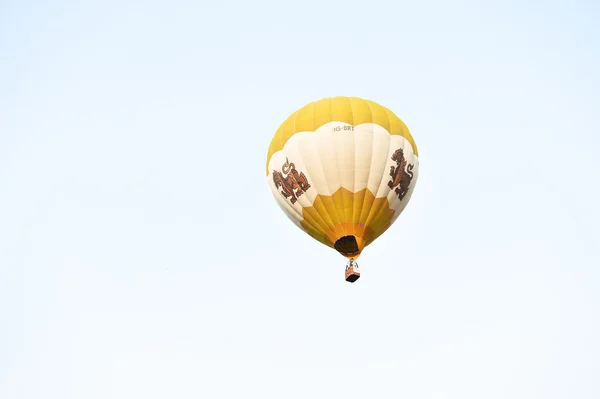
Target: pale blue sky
point(142, 254)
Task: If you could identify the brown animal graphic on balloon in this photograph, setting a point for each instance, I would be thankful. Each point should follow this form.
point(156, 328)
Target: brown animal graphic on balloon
point(401, 174)
point(292, 182)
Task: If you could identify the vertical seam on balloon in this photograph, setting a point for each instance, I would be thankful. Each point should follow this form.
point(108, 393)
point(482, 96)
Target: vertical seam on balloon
point(304, 202)
point(303, 199)
point(378, 212)
point(370, 162)
point(406, 199)
point(321, 220)
point(393, 193)
point(396, 210)
point(327, 182)
point(404, 141)
point(339, 174)
point(325, 217)
point(351, 219)
point(298, 212)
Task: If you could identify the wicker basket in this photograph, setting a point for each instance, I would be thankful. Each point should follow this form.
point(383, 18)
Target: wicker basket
point(352, 272)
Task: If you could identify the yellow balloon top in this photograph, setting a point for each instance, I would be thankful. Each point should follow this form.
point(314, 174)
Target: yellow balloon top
point(351, 110)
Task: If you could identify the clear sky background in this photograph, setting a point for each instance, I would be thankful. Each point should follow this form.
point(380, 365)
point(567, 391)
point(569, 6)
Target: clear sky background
point(143, 256)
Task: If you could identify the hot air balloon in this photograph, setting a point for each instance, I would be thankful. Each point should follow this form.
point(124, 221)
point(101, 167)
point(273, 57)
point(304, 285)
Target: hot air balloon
point(343, 169)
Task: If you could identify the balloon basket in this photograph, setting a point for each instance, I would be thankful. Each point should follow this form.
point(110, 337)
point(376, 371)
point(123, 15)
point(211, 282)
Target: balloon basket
point(352, 271)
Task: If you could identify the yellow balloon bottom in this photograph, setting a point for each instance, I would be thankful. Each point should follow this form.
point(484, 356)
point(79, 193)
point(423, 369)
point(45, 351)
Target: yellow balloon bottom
point(347, 221)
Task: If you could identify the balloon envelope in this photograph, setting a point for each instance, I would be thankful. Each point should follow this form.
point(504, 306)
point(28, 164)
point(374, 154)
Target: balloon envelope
point(343, 169)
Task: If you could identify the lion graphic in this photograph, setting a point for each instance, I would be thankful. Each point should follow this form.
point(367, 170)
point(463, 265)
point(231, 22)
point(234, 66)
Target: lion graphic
point(293, 183)
point(401, 174)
